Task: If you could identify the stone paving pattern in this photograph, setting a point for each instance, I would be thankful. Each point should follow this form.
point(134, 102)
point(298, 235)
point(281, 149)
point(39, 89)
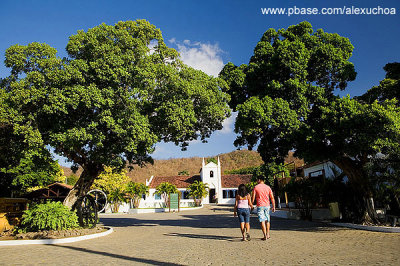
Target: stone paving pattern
point(211, 236)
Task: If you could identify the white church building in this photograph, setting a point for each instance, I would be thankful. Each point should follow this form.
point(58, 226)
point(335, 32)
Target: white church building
point(221, 187)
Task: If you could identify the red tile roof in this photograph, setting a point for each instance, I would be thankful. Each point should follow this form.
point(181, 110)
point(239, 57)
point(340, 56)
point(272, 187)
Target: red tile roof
point(61, 185)
point(228, 181)
point(179, 181)
point(233, 181)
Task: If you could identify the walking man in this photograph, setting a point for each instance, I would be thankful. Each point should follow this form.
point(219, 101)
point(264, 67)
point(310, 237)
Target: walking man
point(262, 193)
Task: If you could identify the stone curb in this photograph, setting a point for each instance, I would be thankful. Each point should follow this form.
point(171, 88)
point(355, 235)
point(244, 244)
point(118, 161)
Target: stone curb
point(54, 241)
point(384, 229)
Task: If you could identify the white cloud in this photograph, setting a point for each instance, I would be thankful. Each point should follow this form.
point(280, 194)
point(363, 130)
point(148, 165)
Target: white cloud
point(228, 124)
point(159, 151)
point(201, 56)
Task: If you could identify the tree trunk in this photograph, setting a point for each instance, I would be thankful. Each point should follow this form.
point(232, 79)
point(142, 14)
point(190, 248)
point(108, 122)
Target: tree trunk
point(83, 185)
point(359, 180)
point(136, 202)
point(166, 199)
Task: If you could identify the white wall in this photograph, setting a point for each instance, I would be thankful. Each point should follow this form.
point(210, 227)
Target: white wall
point(205, 175)
point(151, 202)
point(226, 201)
point(123, 207)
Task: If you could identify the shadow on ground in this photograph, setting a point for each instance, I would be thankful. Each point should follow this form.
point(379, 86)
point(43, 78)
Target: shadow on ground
point(219, 219)
point(117, 256)
point(208, 237)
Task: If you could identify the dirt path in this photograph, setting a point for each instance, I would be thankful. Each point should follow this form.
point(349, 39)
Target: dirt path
point(210, 236)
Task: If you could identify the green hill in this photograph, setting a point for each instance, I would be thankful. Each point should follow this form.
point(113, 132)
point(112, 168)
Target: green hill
point(229, 161)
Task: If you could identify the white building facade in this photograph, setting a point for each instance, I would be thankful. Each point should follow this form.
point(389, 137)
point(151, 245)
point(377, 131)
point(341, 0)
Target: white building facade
point(222, 188)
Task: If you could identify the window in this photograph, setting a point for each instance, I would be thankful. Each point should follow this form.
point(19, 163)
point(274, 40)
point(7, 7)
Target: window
point(211, 173)
point(144, 196)
point(157, 196)
point(184, 194)
point(229, 193)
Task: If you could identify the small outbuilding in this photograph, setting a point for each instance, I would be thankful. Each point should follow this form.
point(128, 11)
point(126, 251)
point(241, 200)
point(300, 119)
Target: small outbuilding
point(56, 192)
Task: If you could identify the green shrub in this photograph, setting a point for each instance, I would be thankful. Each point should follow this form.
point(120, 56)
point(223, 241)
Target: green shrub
point(48, 216)
point(242, 171)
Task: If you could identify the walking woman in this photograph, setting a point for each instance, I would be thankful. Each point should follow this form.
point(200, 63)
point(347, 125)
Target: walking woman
point(242, 210)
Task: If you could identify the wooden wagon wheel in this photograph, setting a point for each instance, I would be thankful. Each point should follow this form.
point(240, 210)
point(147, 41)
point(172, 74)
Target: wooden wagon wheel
point(87, 211)
point(100, 198)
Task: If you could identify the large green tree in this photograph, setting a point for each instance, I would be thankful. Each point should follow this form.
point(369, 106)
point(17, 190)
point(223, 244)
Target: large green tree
point(286, 100)
point(384, 169)
point(353, 135)
point(291, 73)
point(119, 92)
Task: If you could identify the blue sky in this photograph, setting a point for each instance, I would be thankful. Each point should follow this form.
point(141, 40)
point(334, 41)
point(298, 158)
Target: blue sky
point(208, 34)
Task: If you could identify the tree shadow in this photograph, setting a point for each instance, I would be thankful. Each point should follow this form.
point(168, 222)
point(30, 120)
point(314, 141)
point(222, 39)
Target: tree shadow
point(208, 237)
point(194, 221)
point(218, 221)
point(282, 224)
point(118, 256)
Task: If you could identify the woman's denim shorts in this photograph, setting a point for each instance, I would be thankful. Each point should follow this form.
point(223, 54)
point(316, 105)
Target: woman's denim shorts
point(244, 215)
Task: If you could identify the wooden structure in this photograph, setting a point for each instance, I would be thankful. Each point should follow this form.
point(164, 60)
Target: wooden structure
point(11, 210)
point(281, 180)
point(54, 192)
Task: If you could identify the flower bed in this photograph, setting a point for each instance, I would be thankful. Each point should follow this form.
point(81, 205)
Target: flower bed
point(52, 234)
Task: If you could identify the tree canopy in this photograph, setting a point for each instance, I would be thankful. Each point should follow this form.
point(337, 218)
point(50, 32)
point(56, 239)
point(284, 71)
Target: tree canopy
point(165, 189)
point(119, 92)
point(291, 73)
point(109, 180)
point(24, 161)
point(136, 191)
point(198, 190)
point(285, 98)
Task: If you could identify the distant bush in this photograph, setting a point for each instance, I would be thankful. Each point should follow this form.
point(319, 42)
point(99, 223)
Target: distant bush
point(212, 159)
point(48, 216)
point(183, 172)
point(72, 179)
point(242, 171)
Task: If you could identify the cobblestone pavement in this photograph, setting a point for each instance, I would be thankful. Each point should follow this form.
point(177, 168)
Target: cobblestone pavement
point(210, 236)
